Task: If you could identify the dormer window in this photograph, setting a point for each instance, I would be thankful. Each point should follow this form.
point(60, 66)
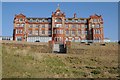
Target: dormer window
point(78, 20)
point(37, 20)
point(40, 20)
point(31, 20)
point(43, 20)
point(49, 20)
point(66, 20)
point(72, 20)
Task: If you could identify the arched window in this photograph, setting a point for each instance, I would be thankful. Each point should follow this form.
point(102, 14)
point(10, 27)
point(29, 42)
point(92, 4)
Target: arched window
point(20, 19)
point(58, 20)
point(31, 20)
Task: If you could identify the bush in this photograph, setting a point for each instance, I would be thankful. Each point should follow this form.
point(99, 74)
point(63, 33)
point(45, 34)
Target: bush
point(95, 72)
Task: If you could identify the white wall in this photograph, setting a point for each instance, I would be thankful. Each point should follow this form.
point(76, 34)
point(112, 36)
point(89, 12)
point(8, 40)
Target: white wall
point(41, 39)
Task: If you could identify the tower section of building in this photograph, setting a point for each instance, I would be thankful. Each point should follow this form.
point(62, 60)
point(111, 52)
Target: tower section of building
point(58, 24)
point(19, 31)
point(96, 28)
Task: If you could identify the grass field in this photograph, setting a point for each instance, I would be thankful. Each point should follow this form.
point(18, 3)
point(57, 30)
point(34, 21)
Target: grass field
point(82, 61)
point(0, 61)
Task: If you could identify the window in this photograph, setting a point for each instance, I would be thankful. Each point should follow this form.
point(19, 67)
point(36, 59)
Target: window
point(18, 31)
point(43, 31)
point(98, 26)
point(83, 21)
point(54, 32)
point(37, 20)
point(43, 20)
point(73, 32)
point(22, 25)
point(49, 26)
point(36, 32)
point(43, 26)
point(82, 26)
point(58, 39)
point(30, 26)
point(66, 20)
point(73, 26)
point(49, 20)
point(19, 38)
point(58, 31)
point(58, 13)
point(86, 26)
point(73, 20)
point(18, 25)
point(76, 20)
point(85, 32)
point(82, 32)
point(79, 32)
point(49, 32)
point(94, 20)
point(58, 25)
point(97, 31)
point(67, 26)
point(58, 20)
point(30, 32)
point(55, 39)
point(20, 19)
point(31, 20)
point(37, 26)
point(79, 26)
point(67, 32)
point(79, 20)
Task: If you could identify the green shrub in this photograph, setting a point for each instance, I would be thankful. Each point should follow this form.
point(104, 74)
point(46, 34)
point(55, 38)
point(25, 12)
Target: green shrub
point(96, 72)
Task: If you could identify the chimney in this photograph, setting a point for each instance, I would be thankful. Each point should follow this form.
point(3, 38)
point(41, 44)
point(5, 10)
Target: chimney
point(74, 15)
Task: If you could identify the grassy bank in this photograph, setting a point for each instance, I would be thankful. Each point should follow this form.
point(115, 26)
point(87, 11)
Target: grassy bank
point(87, 62)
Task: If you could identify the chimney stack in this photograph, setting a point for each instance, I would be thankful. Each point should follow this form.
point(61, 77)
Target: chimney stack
point(74, 15)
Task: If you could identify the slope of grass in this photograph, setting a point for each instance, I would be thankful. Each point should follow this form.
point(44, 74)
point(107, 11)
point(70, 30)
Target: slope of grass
point(94, 62)
point(0, 61)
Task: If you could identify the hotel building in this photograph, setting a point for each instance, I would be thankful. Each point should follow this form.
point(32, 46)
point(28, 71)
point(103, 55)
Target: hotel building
point(58, 28)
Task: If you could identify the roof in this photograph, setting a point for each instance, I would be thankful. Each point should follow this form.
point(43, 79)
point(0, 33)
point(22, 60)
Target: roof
point(36, 18)
point(77, 18)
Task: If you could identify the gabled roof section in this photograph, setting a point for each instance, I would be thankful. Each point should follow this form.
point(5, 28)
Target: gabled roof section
point(20, 15)
point(58, 12)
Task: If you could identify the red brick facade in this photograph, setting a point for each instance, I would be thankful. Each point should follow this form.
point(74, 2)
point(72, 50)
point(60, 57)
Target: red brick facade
point(60, 28)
